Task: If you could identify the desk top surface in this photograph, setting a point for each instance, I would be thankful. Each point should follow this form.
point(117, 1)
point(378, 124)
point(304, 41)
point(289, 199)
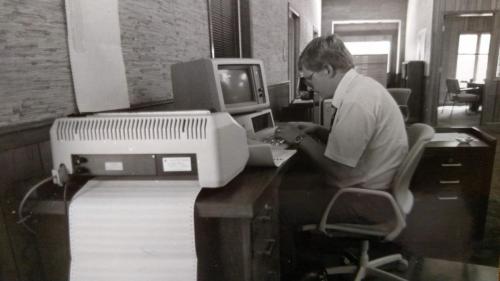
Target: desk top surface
point(238, 197)
point(482, 140)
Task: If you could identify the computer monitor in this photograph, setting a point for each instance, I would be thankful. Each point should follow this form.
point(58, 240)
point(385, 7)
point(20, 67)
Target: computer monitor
point(221, 84)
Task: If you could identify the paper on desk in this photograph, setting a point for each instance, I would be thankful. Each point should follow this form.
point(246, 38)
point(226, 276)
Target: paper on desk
point(96, 56)
point(126, 230)
point(260, 155)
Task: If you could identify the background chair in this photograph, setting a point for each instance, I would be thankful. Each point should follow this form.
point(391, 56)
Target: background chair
point(457, 95)
point(400, 199)
point(402, 96)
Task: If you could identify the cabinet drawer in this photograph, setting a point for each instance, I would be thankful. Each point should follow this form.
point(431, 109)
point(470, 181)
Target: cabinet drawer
point(265, 227)
point(452, 161)
point(450, 168)
point(265, 222)
point(265, 247)
point(265, 238)
point(439, 218)
point(265, 260)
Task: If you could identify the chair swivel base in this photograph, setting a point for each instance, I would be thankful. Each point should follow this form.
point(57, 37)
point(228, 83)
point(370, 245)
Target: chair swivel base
point(367, 267)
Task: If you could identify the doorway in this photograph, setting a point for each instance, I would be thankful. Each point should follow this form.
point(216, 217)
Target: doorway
point(464, 63)
point(373, 43)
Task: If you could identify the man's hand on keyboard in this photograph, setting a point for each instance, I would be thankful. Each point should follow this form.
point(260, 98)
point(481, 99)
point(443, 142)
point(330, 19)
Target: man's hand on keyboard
point(305, 127)
point(288, 132)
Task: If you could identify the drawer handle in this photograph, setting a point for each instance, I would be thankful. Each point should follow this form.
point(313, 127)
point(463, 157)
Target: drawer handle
point(447, 197)
point(451, 164)
point(264, 218)
point(450, 182)
point(268, 207)
point(268, 250)
point(268, 212)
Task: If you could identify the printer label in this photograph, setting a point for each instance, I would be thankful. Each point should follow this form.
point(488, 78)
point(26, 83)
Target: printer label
point(113, 166)
point(177, 164)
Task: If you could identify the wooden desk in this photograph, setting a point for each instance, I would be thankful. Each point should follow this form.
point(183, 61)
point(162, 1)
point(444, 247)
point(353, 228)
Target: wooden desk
point(237, 227)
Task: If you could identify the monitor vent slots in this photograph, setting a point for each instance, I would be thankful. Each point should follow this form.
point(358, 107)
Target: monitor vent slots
point(144, 128)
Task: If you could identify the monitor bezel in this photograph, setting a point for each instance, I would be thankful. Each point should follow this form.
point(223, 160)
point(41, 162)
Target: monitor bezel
point(243, 107)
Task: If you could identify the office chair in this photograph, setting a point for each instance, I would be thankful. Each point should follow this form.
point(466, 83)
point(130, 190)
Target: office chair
point(457, 95)
point(401, 200)
point(401, 96)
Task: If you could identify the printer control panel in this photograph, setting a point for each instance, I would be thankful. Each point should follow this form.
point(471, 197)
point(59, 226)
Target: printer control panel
point(173, 166)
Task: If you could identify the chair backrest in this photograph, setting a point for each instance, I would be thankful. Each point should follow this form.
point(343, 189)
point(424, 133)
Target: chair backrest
point(452, 86)
point(418, 136)
point(400, 95)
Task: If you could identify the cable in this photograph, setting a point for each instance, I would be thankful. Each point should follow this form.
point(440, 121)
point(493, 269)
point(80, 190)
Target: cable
point(22, 219)
point(65, 198)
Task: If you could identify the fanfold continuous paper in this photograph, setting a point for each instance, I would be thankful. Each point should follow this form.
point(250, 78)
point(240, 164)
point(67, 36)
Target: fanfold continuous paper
point(124, 230)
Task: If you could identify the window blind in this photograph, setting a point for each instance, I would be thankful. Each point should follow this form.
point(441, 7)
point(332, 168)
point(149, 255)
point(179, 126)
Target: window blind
point(230, 28)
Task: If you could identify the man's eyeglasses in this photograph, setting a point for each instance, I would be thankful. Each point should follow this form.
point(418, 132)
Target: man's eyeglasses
point(308, 77)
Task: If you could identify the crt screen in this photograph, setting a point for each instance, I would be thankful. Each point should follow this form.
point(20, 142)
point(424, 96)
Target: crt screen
point(236, 85)
point(262, 122)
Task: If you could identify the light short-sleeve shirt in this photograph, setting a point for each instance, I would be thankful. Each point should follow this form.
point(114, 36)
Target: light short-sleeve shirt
point(368, 135)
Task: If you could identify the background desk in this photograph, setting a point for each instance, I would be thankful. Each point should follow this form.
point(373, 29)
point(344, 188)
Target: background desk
point(478, 89)
point(299, 110)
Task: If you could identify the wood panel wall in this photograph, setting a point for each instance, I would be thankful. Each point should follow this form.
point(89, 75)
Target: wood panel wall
point(468, 5)
point(454, 26)
point(24, 159)
point(448, 7)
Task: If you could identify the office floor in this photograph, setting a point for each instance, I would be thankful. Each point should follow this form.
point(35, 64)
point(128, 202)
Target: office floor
point(460, 117)
point(490, 245)
point(427, 269)
point(420, 269)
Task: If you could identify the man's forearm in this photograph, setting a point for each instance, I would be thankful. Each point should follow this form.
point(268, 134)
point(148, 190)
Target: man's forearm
point(321, 133)
point(315, 150)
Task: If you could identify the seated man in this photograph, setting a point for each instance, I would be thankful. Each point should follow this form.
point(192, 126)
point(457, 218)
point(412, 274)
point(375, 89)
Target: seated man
point(363, 147)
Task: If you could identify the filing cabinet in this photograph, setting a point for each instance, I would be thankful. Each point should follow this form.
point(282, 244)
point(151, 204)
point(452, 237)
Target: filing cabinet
point(451, 188)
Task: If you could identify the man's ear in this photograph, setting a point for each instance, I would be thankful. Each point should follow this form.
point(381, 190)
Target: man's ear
point(330, 71)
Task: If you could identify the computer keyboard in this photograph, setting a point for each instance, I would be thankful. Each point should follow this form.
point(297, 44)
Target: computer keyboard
point(274, 141)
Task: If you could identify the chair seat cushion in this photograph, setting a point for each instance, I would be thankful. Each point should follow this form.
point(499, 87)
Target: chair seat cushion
point(379, 230)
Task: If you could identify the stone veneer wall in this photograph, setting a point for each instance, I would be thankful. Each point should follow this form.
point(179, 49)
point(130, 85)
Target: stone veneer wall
point(269, 33)
point(35, 74)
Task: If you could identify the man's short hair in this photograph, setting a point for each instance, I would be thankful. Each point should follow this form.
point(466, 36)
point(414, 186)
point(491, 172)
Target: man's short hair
point(326, 50)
